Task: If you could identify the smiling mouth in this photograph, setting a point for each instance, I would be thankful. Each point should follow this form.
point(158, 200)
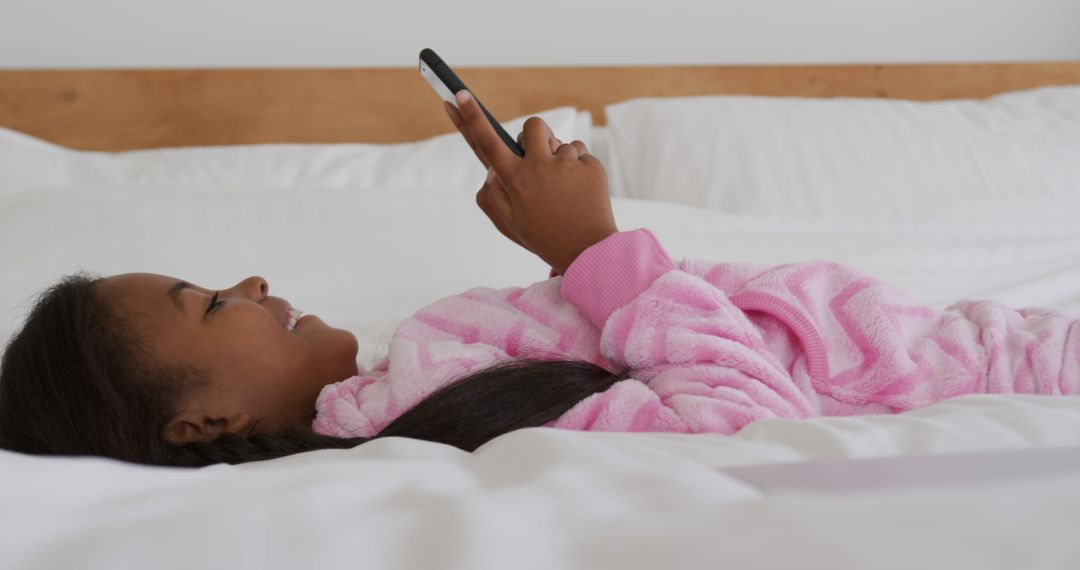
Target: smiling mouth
point(294, 316)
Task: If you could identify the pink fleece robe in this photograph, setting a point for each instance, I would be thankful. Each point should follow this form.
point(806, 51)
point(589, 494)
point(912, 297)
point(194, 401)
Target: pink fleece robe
point(714, 346)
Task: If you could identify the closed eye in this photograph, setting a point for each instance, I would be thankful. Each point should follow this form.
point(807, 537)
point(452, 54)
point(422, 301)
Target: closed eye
point(214, 303)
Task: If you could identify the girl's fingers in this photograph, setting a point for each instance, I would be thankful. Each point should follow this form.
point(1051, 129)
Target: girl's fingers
point(574, 149)
point(553, 143)
point(538, 137)
point(591, 160)
point(455, 117)
point(500, 203)
point(568, 150)
point(488, 144)
point(485, 199)
point(453, 114)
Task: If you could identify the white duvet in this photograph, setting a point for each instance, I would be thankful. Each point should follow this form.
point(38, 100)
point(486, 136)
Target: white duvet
point(537, 498)
point(552, 499)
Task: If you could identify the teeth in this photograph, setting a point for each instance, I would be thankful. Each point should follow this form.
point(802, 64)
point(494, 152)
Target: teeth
point(294, 315)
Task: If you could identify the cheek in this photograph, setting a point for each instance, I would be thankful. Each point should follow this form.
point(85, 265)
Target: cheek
point(262, 344)
point(255, 340)
point(266, 352)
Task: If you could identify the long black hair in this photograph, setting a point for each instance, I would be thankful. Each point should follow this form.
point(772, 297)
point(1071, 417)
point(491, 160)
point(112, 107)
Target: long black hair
point(75, 381)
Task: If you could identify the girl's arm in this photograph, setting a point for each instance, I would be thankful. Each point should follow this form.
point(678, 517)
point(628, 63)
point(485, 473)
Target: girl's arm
point(706, 365)
point(698, 364)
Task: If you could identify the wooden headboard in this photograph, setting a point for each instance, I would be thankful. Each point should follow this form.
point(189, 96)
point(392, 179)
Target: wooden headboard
point(129, 109)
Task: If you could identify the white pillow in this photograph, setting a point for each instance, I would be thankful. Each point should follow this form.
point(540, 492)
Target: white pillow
point(849, 158)
point(444, 161)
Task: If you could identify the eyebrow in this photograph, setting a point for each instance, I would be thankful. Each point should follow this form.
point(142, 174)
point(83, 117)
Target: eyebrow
point(174, 294)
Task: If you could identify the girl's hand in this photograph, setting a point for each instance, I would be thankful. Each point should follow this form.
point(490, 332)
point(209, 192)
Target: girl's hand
point(485, 198)
point(554, 202)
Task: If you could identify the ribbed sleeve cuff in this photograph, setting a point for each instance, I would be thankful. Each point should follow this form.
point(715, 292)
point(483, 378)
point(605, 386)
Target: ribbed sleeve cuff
point(613, 272)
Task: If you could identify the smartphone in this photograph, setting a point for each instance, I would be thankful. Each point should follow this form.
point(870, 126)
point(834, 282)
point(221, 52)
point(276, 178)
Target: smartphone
point(446, 83)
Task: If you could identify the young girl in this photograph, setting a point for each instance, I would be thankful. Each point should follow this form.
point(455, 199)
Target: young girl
point(151, 369)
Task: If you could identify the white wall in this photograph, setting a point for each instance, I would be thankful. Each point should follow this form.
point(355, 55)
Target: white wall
point(225, 33)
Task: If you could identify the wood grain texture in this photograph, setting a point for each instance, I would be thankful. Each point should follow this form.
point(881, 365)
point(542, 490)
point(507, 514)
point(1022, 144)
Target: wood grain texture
point(130, 109)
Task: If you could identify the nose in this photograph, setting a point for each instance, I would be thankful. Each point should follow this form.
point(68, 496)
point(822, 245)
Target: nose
point(253, 287)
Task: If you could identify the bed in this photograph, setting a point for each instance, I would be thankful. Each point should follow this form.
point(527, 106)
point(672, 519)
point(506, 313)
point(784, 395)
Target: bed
point(950, 181)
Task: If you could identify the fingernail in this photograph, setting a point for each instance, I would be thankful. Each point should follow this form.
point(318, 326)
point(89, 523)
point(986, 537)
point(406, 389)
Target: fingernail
point(490, 175)
point(462, 97)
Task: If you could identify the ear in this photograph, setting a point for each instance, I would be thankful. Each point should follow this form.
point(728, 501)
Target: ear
point(190, 428)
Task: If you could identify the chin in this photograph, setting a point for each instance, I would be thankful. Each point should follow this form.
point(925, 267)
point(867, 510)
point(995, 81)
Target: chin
point(349, 349)
point(340, 347)
point(354, 346)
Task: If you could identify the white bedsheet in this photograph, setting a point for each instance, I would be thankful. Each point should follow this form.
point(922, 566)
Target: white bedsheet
point(536, 498)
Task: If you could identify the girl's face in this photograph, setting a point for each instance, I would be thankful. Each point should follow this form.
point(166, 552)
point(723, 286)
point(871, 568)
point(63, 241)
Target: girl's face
point(257, 370)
